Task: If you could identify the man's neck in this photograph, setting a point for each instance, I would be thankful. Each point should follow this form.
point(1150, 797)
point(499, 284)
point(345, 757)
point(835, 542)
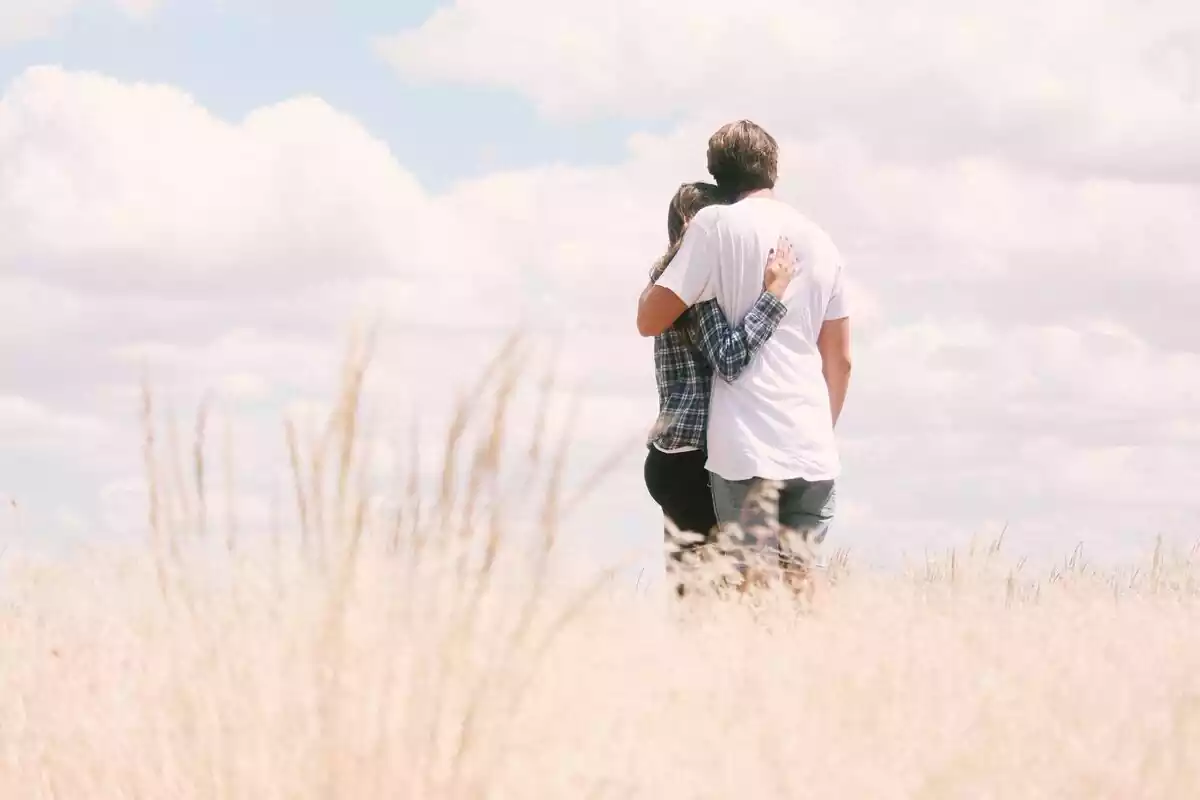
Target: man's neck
point(758, 193)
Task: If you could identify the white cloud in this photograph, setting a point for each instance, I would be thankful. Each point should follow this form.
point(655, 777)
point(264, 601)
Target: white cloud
point(155, 190)
point(140, 10)
point(1069, 85)
point(1029, 354)
point(22, 20)
point(23, 421)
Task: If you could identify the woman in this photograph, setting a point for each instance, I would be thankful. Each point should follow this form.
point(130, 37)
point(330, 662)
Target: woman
point(700, 345)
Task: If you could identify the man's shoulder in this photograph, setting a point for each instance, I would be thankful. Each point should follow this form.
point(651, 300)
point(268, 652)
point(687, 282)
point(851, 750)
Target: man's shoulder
point(772, 211)
point(796, 217)
point(777, 215)
point(810, 231)
point(708, 217)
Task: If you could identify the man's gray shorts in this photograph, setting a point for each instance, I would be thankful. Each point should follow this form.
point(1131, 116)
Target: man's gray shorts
point(783, 519)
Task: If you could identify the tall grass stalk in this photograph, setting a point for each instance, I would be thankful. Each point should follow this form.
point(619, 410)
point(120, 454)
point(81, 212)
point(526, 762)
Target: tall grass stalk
point(421, 646)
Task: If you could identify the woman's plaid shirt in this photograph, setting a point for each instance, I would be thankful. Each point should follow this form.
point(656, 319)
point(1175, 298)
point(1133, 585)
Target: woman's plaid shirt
point(686, 356)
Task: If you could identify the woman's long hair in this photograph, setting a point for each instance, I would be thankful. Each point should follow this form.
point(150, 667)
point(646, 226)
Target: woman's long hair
point(688, 199)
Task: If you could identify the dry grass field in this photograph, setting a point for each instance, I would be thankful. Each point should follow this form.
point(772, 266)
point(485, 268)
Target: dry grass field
point(433, 654)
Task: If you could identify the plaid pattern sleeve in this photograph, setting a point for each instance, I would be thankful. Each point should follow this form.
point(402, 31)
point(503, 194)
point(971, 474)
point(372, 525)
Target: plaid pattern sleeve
point(684, 381)
point(730, 349)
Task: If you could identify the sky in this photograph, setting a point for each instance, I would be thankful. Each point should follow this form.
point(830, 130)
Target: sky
point(212, 194)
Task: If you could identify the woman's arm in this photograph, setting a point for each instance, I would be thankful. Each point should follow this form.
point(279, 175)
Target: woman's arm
point(729, 349)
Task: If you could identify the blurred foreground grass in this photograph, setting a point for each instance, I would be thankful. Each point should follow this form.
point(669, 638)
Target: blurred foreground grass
point(428, 652)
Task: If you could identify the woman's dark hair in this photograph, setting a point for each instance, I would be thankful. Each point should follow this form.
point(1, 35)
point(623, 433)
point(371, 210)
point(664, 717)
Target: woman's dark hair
point(688, 199)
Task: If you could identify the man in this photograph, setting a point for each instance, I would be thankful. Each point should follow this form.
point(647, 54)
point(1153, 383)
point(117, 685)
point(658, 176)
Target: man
point(771, 447)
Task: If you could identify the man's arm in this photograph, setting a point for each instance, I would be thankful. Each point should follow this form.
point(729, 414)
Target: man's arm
point(833, 342)
point(683, 282)
point(730, 349)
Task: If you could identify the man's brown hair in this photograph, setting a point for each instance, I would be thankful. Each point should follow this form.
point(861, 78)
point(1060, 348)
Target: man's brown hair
point(742, 157)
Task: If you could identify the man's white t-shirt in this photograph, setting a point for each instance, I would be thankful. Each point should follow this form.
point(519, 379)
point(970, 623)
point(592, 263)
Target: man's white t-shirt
point(774, 421)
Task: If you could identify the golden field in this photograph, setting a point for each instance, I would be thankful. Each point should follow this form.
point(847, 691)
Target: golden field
point(433, 652)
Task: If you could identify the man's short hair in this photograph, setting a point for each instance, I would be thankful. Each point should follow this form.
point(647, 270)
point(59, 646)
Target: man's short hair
point(742, 157)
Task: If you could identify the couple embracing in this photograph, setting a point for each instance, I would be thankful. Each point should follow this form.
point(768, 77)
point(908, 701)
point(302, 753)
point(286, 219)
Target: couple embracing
point(751, 330)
